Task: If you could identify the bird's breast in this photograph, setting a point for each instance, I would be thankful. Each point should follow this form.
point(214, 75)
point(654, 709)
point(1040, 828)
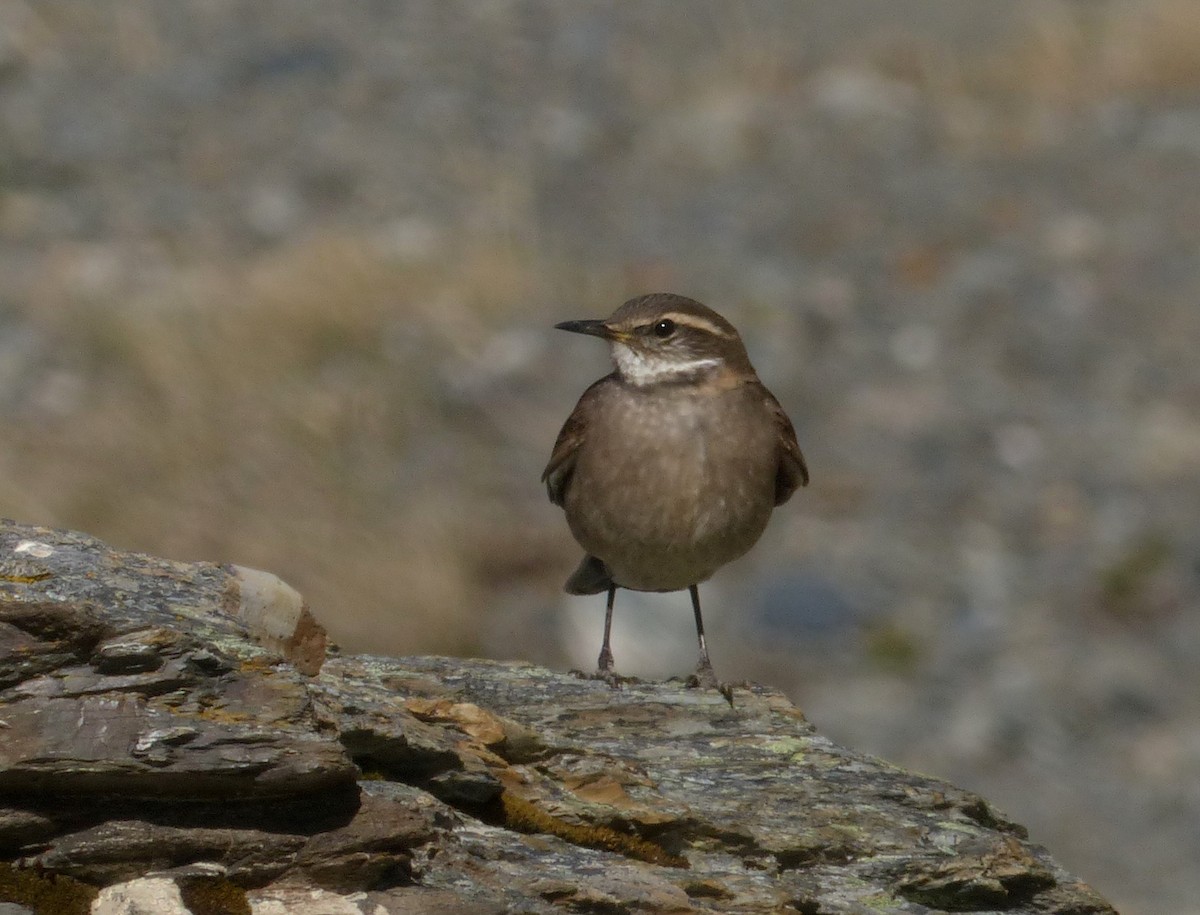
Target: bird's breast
point(671, 485)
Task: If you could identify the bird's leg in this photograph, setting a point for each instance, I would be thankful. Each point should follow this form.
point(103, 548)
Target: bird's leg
point(604, 664)
point(704, 676)
point(705, 664)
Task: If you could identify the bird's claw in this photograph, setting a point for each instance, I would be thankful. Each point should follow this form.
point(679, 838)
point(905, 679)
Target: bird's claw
point(605, 675)
point(706, 678)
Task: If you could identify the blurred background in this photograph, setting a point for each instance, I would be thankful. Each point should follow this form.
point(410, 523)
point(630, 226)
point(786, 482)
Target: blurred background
point(279, 281)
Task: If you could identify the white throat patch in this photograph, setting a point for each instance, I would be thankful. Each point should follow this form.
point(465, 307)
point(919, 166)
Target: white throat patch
point(646, 368)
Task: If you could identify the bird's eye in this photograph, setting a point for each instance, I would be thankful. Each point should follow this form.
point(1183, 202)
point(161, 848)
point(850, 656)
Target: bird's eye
point(664, 328)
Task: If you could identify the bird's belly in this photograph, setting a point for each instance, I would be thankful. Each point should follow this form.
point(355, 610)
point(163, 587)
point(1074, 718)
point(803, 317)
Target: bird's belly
point(674, 499)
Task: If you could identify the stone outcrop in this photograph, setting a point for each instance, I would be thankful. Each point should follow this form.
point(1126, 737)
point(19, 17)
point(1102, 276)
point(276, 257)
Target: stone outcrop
point(171, 742)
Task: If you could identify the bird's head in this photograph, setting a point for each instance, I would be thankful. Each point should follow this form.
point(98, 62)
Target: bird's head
point(664, 338)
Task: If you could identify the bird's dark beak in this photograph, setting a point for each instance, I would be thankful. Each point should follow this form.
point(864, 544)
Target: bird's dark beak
point(593, 328)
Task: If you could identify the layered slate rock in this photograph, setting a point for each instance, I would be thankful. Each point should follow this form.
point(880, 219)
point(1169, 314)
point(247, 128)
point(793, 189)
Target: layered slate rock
point(158, 749)
point(133, 676)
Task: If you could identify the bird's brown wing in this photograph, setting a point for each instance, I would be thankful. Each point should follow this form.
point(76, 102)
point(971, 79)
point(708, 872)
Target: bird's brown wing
point(557, 475)
point(792, 472)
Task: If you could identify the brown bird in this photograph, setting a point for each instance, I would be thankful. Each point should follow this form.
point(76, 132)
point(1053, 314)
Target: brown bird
point(669, 467)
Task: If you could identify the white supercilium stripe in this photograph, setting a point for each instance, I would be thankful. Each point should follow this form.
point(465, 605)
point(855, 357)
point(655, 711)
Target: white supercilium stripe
point(698, 323)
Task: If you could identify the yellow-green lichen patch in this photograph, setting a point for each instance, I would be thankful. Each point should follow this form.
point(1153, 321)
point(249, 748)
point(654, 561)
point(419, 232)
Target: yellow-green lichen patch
point(214, 897)
point(791, 747)
point(880, 902)
point(524, 816)
point(706, 889)
point(45, 893)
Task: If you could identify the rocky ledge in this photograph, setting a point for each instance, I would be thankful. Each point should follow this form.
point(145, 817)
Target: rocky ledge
point(173, 739)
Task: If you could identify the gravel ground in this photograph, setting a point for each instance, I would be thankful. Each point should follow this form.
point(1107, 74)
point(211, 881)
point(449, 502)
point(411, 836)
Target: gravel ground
point(961, 242)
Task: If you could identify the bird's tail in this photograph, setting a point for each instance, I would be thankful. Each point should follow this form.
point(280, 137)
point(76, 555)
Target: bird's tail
point(592, 577)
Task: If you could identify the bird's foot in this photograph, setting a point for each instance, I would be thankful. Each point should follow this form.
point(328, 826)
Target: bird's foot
point(604, 675)
point(706, 678)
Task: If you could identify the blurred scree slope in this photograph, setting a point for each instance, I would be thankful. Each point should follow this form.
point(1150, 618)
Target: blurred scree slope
point(279, 283)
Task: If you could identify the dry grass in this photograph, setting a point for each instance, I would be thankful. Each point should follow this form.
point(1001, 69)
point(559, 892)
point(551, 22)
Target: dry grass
point(1080, 54)
point(1061, 60)
point(273, 413)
